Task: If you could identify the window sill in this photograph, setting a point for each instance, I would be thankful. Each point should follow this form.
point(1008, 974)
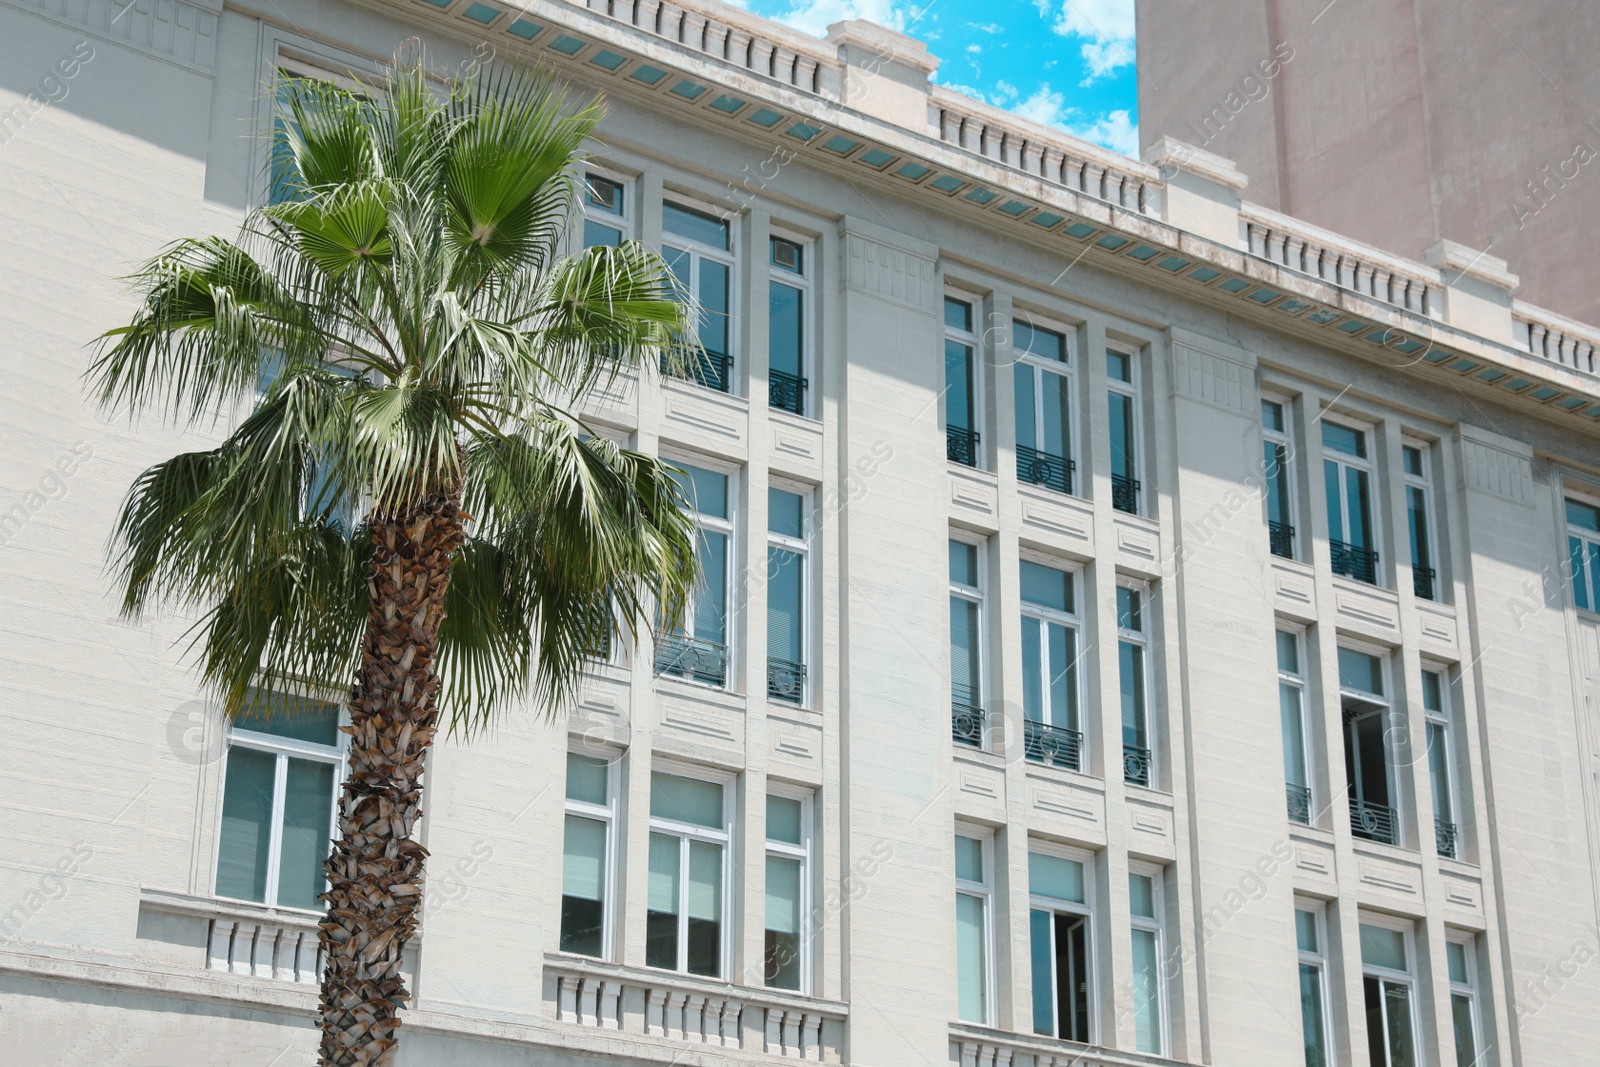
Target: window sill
point(711, 694)
point(976, 1043)
point(214, 907)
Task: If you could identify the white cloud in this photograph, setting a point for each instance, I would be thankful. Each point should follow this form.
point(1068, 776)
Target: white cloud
point(987, 27)
point(1115, 130)
point(1106, 27)
point(815, 16)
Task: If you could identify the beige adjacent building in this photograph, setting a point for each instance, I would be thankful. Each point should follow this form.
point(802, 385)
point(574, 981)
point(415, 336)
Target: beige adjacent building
point(1140, 627)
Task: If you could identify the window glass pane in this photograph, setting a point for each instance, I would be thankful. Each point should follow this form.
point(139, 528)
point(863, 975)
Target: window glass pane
point(788, 255)
point(689, 800)
point(583, 865)
point(1412, 459)
point(963, 563)
point(786, 513)
point(1417, 522)
point(1129, 609)
point(1119, 367)
point(1146, 992)
point(1041, 951)
point(705, 908)
point(1381, 947)
point(1288, 652)
point(1360, 672)
point(603, 194)
point(1455, 954)
point(586, 778)
point(1311, 1021)
point(1046, 586)
point(966, 670)
point(1358, 513)
point(1131, 665)
point(1294, 744)
point(1465, 1033)
point(1120, 410)
point(246, 825)
point(1583, 516)
point(1142, 895)
point(958, 385)
point(1331, 485)
point(1055, 876)
point(307, 819)
point(1038, 341)
point(785, 819)
point(706, 491)
point(1343, 439)
point(1439, 770)
point(785, 327)
point(695, 225)
point(1025, 376)
point(783, 922)
point(711, 593)
point(680, 265)
point(1272, 415)
point(1056, 406)
point(969, 859)
point(1305, 930)
point(1432, 691)
point(714, 307)
point(661, 920)
point(785, 590)
point(958, 314)
point(971, 960)
point(1276, 467)
point(1397, 1002)
point(1063, 676)
point(1033, 669)
point(289, 715)
point(597, 234)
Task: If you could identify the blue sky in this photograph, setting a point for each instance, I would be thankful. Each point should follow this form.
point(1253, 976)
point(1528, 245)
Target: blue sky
point(1065, 63)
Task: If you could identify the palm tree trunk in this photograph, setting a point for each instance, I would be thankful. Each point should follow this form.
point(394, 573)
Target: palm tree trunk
point(375, 870)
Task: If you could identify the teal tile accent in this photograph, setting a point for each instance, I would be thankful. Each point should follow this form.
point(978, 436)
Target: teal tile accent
point(1353, 326)
point(1438, 355)
point(688, 90)
point(525, 29)
point(1205, 274)
point(727, 104)
point(1081, 230)
point(1323, 317)
point(482, 13)
point(914, 171)
point(648, 74)
point(441, 3)
point(1265, 296)
point(1594, 412)
point(841, 145)
point(1234, 285)
point(981, 196)
point(1545, 392)
point(1518, 384)
point(569, 45)
point(765, 117)
point(1173, 263)
point(1014, 208)
point(608, 60)
point(1491, 375)
point(1112, 241)
point(803, 131)
point(1462, 366)
point(1045, 219)
point(1145, 253)
point(877, 157)
point(1571, 402)
point(947, 183)
point(1409, 345)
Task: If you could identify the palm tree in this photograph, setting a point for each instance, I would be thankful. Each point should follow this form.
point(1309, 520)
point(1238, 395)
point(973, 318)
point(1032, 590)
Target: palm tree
point(407, 511)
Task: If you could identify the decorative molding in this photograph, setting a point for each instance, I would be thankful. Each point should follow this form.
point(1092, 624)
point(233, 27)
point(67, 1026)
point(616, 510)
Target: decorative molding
point(892, 274)
point(1212, 379)
point(1058, 518)
point(183, 32)
point(1066, 802)
point(1496, 472)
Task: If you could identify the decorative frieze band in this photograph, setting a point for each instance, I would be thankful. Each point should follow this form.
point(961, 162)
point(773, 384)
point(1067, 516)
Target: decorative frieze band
point(1212, 379)
point(891, 273)
point(1497, 472)
point(173, 29)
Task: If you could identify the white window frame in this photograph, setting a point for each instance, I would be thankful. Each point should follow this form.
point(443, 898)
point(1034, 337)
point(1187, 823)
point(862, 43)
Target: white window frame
point(1042, 617)
point(1319, 960)
point(803, 853)
point(1589, 538)
point(1346, 463)
point(282, 749)
point(978, 595)
point(974, 342)
point(1143, 639)
point(802, 548)
point(1132, 390)
point(606, 814)
point(1158, 925)
point(1444, 717)
point(686, 832)
point(984, 891)
point(1424, 482)
point(809, 408)
point(623, 222)
point(1285, 439)
point(698, 252)
point(1391, 719)
point(728, 527)
point(1386, 974)
point(1087, 911)
point(1298, 682)
point(1067, 369)
point(1469, 946)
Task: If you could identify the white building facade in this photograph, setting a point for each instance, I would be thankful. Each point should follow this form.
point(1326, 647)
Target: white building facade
point(1138, 628)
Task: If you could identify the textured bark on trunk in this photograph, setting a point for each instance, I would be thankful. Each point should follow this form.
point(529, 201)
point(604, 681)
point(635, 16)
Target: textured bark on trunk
point(375, 870)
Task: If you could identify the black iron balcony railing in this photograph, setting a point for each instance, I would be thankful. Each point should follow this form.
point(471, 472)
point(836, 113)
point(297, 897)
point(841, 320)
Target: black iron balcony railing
point(1444, 838)
point(1135, 765)
point(1299, 797)
point(961, 446)
point(1280, 535)
point(1353, 562)
point(1375, 822)
point(1055, 745)
point(1041, 468)
point(966, 724)
point(693, 658)
point(710, 369)
point(1125, 494)
point(786, 680)
point(786, 392)
point(1422, 582)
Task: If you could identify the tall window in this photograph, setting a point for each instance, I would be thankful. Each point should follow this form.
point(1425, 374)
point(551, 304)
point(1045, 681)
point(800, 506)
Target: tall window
point(607, 217)
point(690, 827)
point(1461, 961)
point(1277, 471)
point(1291, 708)
point(1061, 946)
point(1441, 762)
point(966, 642)
point(1053, 732)
point(1368, 774)
point(788, 304)
point(1122, 420)
point(1387, 990)
point(1583, 551)
point(1419, 519)
point(1149, 979)
point(1313, 987)
point(786, 595)
point(699, 650)
point(960, 383)
point(285, 760)
point(586, 864)
point(281, 177)
point(788, 942)
point(1044, 406)
point(974, 932)
point(698, 248)
point(1347, 480)
point(1133, 682)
